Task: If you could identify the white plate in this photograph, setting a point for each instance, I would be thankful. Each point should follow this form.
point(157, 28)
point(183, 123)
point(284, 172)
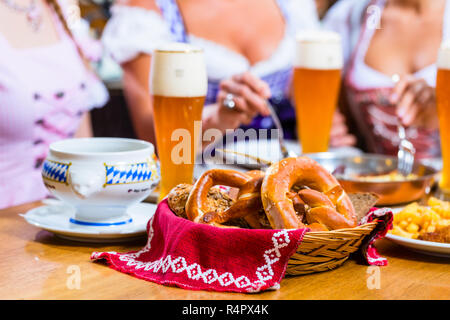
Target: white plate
point(54, 217)
point(426, 247)
point(265, 149)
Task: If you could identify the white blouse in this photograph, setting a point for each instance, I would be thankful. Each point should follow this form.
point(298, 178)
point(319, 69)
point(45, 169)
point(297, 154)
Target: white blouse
point(133, 30)
point(345, 18)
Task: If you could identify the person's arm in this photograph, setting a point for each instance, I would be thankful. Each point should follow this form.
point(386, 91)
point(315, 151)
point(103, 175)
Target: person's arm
point(85, 128)
point(136, 90)
point(136, 73)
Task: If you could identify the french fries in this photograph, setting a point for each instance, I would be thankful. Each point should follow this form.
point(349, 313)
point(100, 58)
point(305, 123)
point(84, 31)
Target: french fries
point(415, 219)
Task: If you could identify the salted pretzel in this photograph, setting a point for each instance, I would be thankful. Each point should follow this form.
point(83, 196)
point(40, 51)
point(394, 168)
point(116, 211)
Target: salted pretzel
point(248, 200)
point(326, 205)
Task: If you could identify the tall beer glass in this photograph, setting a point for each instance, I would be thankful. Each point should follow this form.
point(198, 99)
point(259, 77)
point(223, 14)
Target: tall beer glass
point(443, 106)
point(178, 85)
point(316, 81)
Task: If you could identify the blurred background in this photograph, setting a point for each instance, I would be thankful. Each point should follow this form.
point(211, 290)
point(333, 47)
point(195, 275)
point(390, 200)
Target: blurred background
point(113, 120)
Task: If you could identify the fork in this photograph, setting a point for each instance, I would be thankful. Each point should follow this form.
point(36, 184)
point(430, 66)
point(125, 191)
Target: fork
point(406, 150)
point(285, 152)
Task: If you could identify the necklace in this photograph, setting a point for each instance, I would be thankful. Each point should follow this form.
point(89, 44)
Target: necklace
point(32, 12)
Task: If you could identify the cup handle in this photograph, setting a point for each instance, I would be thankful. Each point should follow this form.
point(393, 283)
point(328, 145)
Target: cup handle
point(86, 181)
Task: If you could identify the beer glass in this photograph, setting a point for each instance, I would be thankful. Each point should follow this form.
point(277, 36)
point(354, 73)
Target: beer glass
point(178, 84)
point(316, 82)
point(443, 108)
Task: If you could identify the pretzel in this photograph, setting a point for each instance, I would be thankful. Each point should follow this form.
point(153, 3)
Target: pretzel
point(327, 205)
point(217, 200)
point(247, 205)
point(248, 200)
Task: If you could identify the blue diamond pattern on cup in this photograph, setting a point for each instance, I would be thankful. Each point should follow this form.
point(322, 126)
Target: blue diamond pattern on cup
point(126, 174)
point(55, 171)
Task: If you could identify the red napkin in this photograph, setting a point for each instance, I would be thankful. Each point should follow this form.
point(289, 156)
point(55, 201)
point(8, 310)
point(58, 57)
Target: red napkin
point(202, 257)
point(190, 255)
point(367, 248)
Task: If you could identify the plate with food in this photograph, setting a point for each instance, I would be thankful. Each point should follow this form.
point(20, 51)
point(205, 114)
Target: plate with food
point(378, 174)
point(423, 228)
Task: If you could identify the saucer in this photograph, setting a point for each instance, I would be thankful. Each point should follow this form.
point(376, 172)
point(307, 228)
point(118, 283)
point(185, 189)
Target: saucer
point(54, 216)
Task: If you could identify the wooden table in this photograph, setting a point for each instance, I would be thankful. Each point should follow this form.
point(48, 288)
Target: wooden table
point(35, 264)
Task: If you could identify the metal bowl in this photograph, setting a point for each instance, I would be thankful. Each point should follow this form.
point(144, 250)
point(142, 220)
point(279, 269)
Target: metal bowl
point(390, 192)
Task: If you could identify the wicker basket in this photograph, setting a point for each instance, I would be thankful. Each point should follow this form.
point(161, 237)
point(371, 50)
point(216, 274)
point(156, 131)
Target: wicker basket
point(322, 251)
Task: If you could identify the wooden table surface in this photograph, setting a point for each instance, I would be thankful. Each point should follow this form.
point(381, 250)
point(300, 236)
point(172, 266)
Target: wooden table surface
point(35, 264)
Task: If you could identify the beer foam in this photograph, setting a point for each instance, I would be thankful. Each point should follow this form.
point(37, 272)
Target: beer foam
point(443, 61)
point(318, 49)
point(178, 70)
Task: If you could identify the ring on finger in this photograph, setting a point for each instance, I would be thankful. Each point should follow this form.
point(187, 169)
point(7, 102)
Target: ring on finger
point(229, 101)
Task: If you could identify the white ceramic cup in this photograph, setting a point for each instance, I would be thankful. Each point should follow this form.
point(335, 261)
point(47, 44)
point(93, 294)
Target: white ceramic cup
point(101, 177)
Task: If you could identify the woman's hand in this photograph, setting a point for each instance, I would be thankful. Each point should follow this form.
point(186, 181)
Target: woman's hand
point(249, 95)
point(416, 103)
point(339, 135)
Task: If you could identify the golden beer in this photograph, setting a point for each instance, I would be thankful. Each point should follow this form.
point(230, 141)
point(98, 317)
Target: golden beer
point(443, 107)
point(316, 82)
point(178, 88)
